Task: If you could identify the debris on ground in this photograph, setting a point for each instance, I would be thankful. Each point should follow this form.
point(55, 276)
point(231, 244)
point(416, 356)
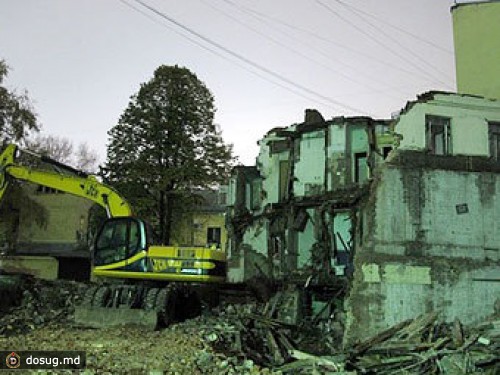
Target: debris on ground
point(41, 302)
point(246, 338)
point(425, 346)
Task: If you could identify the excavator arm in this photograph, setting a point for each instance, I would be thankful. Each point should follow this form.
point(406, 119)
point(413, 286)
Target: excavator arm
point(80, 185)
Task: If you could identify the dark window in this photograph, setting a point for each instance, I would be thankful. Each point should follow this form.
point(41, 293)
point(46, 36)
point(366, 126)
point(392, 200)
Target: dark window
point(213, 236)
point(494, 138)
point(385, 151)
point(438, 134)
point(360, 167)
point(279, 146)
point(256, 194)
point(283, 182)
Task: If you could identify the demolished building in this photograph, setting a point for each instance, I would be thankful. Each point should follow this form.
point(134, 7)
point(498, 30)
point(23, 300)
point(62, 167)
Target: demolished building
point(394, 217)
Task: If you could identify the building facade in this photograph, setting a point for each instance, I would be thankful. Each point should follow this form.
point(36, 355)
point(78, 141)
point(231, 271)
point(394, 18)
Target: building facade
point(428, 231)
point(476, 32)
point(397, 217)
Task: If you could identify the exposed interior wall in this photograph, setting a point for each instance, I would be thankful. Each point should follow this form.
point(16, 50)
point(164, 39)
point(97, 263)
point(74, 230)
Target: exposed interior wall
point(306, 173)
point(430, 243)
point(309, 169)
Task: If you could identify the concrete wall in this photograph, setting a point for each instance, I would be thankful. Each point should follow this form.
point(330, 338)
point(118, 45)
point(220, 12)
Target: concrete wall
point(310, 168)
point(430, 244)
point(469, 123)
point(476, 32)
point(269, 165)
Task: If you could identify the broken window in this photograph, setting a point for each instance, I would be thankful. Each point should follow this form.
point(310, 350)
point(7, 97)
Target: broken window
point(279, 146)
point(283, 182)
point(494, 139)
point(256, 198)
point(438, 132)
point(213, 236)
point(385, 151)
point(361, 171)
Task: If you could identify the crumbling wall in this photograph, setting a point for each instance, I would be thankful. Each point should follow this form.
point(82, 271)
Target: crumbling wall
point(430, 243)
point(309, 172)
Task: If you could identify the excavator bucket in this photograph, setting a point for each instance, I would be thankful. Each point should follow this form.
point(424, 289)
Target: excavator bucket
point(102, 317)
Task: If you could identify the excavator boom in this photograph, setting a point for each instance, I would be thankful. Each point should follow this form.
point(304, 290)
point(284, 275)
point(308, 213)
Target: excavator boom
point(79, 185)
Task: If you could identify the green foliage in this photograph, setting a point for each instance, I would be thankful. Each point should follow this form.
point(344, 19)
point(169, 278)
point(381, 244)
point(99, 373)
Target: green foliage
point(17, 119)
point(16, 114)
point(166, 144)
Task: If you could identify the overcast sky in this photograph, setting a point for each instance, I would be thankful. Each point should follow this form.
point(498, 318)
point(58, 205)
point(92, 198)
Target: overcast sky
point(265, 61)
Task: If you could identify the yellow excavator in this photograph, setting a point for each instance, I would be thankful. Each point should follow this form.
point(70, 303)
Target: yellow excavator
point(139, 280)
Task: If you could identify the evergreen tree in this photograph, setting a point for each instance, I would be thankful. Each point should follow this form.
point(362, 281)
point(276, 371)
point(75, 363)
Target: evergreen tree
point(16, 114)
point(166, 144)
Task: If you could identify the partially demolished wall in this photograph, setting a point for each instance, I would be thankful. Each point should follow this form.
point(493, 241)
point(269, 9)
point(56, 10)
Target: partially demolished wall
point(430, 242)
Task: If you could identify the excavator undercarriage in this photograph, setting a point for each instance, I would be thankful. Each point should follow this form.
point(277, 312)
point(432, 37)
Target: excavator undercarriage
point(152, 306)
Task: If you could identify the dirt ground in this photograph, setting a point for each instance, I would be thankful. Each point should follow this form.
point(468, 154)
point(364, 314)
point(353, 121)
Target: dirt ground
point(180, 349)
point(39, 316)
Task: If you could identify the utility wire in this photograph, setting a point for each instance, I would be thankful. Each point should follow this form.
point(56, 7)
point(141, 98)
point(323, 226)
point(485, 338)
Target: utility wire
point(246, 60)
point(293, 50)
point(389, 36)
point(273, 20)
point(242, 66)
point(370, 36)
point(387, 92)
point(400, 29)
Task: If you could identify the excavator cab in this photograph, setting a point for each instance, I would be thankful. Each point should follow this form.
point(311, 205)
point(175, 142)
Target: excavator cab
point(127, 248)
point(119, 239)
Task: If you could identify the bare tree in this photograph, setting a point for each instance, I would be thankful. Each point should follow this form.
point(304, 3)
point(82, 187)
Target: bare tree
point(62, 150)
point(86, 159)
point(57, 148)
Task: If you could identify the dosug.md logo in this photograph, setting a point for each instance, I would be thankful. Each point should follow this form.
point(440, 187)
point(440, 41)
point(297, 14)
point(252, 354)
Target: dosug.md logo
point(13, 360)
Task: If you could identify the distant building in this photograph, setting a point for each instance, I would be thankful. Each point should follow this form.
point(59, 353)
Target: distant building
point(48, 224)
point(203, 224)
point(476, 30)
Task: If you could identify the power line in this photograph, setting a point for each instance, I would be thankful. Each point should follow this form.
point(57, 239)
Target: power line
point(242, 66)
point(400, 29)
point(246, 60)
point(370, 36)
point(293, 50)
point(270, 21)
point(388, 36)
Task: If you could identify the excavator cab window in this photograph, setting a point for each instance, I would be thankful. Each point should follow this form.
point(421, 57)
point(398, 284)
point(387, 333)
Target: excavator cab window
point(117, 240)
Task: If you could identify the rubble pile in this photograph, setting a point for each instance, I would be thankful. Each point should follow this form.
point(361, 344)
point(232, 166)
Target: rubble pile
point(416, 346)
point(424, 346)
point(248, 333)
point(39, 303)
